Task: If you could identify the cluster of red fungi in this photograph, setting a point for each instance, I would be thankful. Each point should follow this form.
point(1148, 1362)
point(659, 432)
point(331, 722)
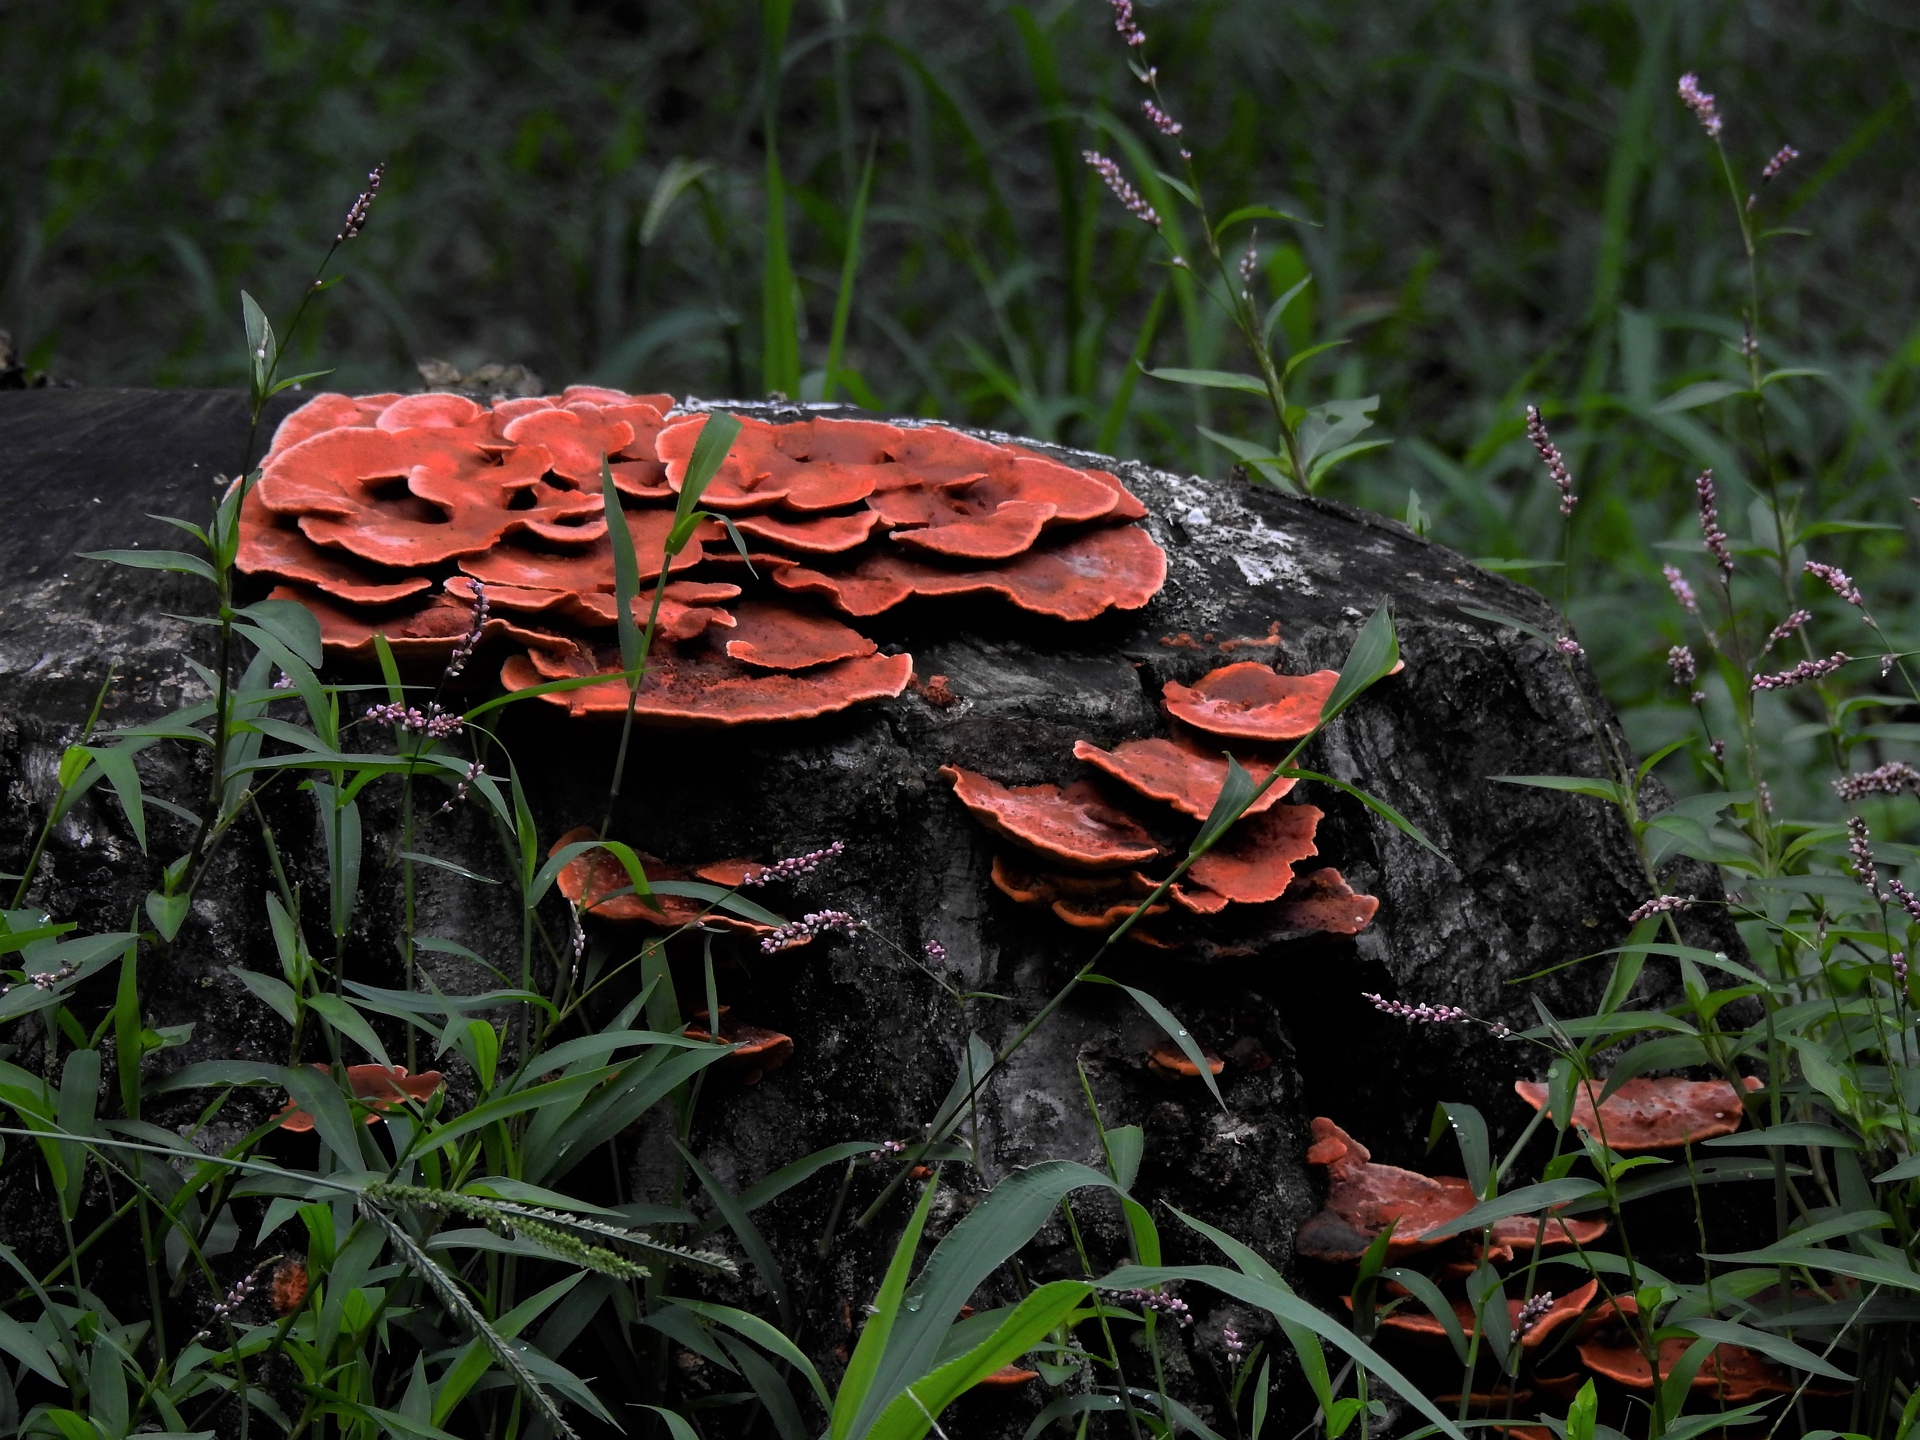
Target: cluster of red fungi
point(1087, 851)
point(390, 513)
point(1644, 1114)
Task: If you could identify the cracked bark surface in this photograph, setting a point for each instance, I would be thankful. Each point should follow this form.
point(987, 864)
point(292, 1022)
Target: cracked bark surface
point(1531, 877)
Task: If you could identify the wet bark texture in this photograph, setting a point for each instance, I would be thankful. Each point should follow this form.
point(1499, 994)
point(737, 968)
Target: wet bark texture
point(1530, 878)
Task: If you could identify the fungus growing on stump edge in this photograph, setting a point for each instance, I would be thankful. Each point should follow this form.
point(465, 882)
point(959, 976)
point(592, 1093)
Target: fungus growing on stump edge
point(1246, 879)
point(1364, 1198)
point(394, 514)
point(1651, 1114)
point(378, 1087)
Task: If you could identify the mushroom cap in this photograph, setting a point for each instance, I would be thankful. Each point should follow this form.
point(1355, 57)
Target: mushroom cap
point(687, 608)
point(1565, 1309)
point(1323, 900)
point(430, 632)
point(380, 1087)
point(807, 466)
point(1254, 863)
point(811, 534)
point(1008, 1375)
point(340, 472)
point(757, 1052)
point(776, 637)
point(1079, 578)
point(1252, 701)
point(1074, 826)
point(1732, 1372)
point(1648, 1113)
point(590, 569)
point(578, 436)
point(268, 548)
point(1092, 901)
point(1181, 772)
point(1362, 1198)
point(325, 411)
point(709, 689)
point(592, 881)
point(1518, 1233)
point(1168, 1060)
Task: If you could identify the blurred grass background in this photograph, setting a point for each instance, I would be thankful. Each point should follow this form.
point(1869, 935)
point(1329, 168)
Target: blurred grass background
point(1511, 204)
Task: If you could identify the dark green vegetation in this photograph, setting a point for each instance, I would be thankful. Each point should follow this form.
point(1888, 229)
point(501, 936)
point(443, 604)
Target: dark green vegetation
point(1513, 207)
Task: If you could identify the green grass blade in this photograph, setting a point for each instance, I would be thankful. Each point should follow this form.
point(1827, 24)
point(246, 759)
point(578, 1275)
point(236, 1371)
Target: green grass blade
point(849, 270)
point(858, 1382)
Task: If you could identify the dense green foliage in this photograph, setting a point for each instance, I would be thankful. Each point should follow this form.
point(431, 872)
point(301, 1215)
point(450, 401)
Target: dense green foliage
point(1510, 208)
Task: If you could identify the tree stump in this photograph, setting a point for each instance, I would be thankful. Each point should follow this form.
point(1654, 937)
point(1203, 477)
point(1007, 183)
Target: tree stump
point(1529, 878)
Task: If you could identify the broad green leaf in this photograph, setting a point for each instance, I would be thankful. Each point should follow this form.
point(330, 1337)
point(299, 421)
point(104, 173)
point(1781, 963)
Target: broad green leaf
point(315, 1091)
point(1703, 392)
point(349, 1022)
point(116, 763)
point(1213, 380)
point(276, 994)
point(1236, 794)
point(1500, 618)
point(1180, 1036)
point(674, 181)
point(1774, 1347)
point(1379, 807)
point(1793, 1132)
point(292, 623)
point(710, 452)
point(910, 1415)
point(173, 560)
point(168, 912)
point(1572, 784)
point(626, 573)
point(1283, 1304)
point(1375, 653)
point(857, 1384)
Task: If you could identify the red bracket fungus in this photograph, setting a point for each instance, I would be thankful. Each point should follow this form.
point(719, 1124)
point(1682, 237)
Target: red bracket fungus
point(1732, 1373)
point(594, 880)
point(1170, 1062)
point(1073, 827)
point(1324, 901)
point(1651, 1114)
point(1180, 772)
point(758, 1050)
point(1252, 701)
point(378, 1087)
point(384, 513)
point(1364, 1198)
point(1114, 568)
point(1565, 1309)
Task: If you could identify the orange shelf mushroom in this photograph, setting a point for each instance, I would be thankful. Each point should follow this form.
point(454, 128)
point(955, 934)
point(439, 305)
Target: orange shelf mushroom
point(1731, 1373)
point(1074, 827)
point(1322, 900)
point(1252, 701)
point(378, 1087)
point(1181, 772)
point(395, 513)
point(1249, 875)
point(1564, 1310)
point(1651, 1114)
point(1169, 1061)
point(598, 885)
point(1364, 1198)
point(1007, 1376)
point(759, 1050)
